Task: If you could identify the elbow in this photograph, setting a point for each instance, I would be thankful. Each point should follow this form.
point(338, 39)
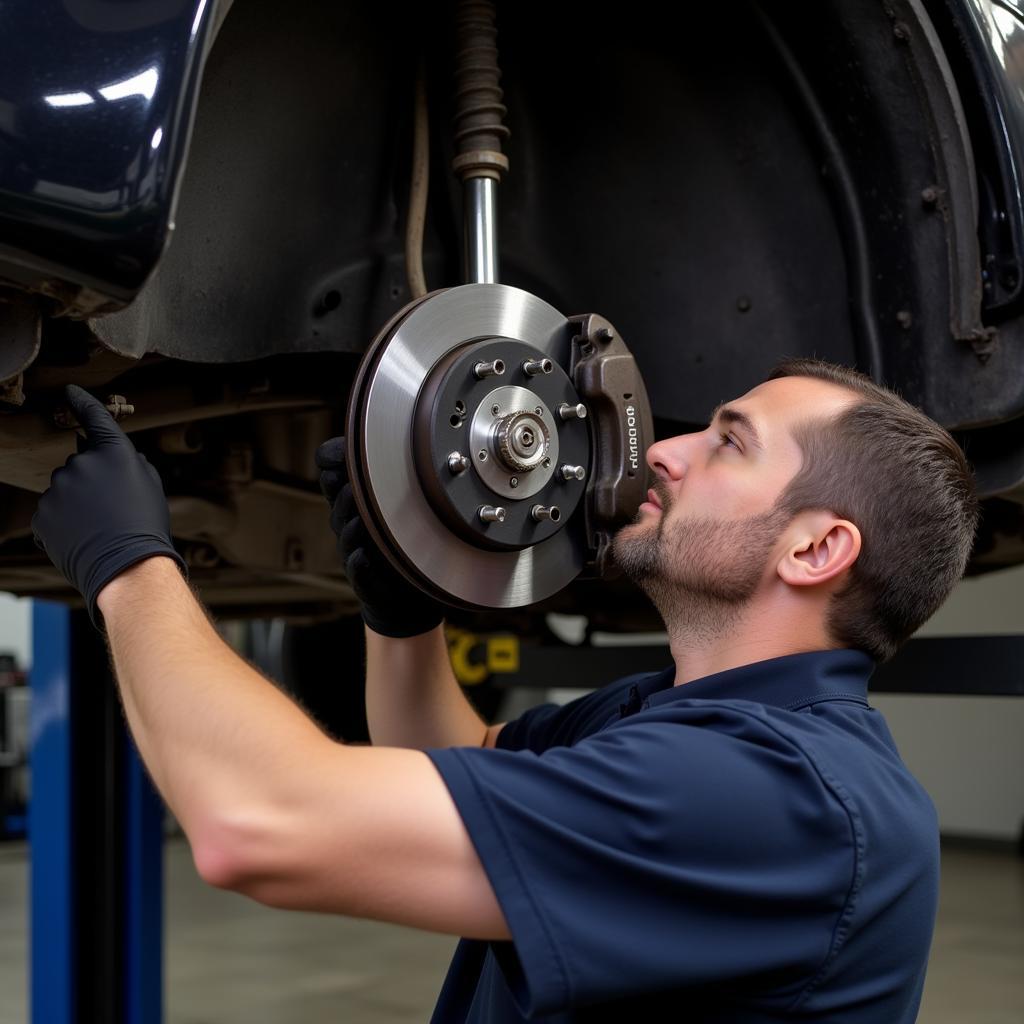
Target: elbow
point(218, 854)
point(239, 853)
point(216, 866)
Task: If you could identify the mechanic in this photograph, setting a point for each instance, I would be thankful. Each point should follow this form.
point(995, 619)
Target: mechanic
point(733, 839)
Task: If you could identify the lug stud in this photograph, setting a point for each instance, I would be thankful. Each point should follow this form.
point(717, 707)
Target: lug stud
point(542, 513)
point(495, 368)
point(572, 412)
point(492, 514)
point(458, 463)
point(531, 367)
point(572, 472)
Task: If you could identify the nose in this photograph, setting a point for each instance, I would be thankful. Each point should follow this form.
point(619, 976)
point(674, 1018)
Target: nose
point(667, 458)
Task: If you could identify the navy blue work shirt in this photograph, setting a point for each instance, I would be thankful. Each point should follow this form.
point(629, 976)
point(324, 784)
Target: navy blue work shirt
point(744, 848)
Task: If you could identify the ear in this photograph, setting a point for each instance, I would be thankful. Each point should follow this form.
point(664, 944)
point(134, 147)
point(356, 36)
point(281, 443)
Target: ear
point(822, 547)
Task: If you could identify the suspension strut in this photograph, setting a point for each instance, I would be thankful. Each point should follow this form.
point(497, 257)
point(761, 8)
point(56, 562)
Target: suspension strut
point(479, 130)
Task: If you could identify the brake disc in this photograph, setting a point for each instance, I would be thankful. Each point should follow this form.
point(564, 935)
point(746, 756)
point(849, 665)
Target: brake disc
point(494, 444)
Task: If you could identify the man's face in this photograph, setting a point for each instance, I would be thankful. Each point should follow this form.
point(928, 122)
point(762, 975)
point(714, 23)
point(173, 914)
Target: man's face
point(708, 534)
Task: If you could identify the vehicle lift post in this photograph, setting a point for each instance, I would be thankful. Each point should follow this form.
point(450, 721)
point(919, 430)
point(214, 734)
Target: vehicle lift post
point(95, 839)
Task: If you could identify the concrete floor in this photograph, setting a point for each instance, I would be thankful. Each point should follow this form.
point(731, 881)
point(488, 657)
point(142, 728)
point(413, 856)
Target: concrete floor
point(230, 961)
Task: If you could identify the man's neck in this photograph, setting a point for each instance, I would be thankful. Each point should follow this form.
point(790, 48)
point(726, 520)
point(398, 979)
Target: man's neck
point(749, 638)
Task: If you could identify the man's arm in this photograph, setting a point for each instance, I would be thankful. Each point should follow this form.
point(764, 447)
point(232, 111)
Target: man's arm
point(271, 806)
point(413, 698)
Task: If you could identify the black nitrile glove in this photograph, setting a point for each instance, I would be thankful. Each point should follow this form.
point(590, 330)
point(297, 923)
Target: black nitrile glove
point(391, 605)
point(105, 509)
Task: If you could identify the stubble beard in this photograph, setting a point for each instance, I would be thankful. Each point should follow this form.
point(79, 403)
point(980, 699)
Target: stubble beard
point(699, 572)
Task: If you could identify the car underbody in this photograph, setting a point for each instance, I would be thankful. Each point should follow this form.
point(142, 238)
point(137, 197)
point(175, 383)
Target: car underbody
point(730, 187)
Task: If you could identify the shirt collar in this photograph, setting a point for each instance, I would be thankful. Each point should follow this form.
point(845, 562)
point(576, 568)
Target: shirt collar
point(792, 682)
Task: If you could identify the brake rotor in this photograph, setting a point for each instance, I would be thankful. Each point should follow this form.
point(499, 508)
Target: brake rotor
point(494, 445)
point(461, 420)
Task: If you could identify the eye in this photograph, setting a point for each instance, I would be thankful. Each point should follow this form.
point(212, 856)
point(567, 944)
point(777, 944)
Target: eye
point(728, 442)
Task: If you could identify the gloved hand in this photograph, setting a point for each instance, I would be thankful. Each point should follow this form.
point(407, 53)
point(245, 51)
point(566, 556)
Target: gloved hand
point(391, 605)
point(105, 509)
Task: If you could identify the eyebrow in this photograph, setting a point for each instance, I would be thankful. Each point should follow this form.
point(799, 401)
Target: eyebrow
point(727, 415)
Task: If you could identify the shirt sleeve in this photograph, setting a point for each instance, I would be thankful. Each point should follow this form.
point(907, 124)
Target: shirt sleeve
point(656, 855)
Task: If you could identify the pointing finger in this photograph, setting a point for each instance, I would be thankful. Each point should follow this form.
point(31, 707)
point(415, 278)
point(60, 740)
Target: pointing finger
point(98, 424)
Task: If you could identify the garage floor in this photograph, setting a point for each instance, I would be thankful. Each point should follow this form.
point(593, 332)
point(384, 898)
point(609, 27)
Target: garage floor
point(230, 961)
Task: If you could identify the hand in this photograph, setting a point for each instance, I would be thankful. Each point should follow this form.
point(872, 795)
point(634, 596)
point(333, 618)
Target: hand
point(105, 509)
point(391, 605)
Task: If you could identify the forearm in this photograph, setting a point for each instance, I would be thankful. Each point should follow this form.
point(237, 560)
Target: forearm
point(219, 740)
point(412, 696)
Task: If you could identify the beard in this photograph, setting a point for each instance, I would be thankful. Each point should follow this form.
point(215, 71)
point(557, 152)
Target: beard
point(699, 572)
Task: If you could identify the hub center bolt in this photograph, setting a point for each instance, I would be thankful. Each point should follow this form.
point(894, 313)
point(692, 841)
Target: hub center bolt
point(541, 513)
point(572, 412)
point(495, 368)
point(531, 367)
point(492, 514)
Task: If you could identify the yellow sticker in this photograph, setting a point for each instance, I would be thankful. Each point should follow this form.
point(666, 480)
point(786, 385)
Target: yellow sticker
point(475, 657)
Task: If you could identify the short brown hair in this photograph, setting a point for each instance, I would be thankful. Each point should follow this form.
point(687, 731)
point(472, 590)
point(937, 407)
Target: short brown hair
point(905, 483)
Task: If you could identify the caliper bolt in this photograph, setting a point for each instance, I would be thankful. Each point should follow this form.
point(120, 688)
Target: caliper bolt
point(458, 463)
point(495, 368)
point(572, 412)
point(540, 513)
point(491, 514)
point(572, 472)
point(604, 334)
point(531, 367)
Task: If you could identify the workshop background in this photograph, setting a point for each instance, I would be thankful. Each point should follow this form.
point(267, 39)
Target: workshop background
point(227, 960)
